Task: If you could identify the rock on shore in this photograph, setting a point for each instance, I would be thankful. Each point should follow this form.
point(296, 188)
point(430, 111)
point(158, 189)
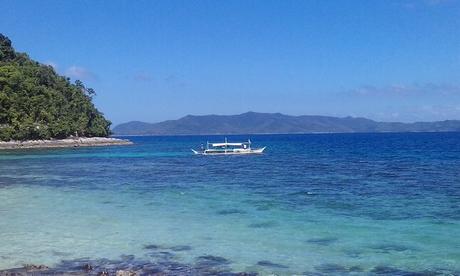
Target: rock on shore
point(64, 143)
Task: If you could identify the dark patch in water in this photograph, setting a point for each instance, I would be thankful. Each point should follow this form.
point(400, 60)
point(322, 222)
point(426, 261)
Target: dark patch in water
point(60, 254)
point(261, 205)
point(230, 212)
point(355, 269)
point(162, 255)
point(387, 270)
point(107, 202)
point(181, 248)
point(442, 222)
point(127, 258)
point(384, 270)
point(264, 208)
point(387, 248)
point(151, 247)
point(322, 241)
point(353, 253)
point(266, 224)
point(210, 260)
point(310, 273)
point(331, 268)
point(270, 264)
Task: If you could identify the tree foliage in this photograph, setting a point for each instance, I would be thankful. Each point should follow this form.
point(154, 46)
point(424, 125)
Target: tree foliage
point(37, 103)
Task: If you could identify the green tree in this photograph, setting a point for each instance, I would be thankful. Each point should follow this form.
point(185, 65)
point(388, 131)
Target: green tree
point(37, 103)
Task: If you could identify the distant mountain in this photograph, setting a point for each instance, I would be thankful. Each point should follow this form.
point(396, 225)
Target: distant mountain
point(258, 123)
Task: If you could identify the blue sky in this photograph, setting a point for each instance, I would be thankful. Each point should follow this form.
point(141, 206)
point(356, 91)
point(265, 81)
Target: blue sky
point(390, 60)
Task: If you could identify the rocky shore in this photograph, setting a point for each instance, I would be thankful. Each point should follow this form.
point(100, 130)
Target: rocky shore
point(161, 260)
point(64, 143)
point(128, 265)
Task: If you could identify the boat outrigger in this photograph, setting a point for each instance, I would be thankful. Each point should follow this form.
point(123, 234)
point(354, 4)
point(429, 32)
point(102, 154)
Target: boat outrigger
point(228, 148)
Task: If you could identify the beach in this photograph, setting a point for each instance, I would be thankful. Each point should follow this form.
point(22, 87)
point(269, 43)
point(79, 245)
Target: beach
point(64, 143)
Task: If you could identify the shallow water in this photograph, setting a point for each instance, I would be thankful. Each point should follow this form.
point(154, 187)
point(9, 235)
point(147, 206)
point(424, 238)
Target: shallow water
point(327, 203)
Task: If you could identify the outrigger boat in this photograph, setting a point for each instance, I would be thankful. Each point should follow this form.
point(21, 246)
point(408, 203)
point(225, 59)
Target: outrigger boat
point(228, 148)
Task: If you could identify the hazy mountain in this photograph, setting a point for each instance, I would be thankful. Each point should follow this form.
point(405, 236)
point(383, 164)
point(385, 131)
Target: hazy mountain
point(252, 122)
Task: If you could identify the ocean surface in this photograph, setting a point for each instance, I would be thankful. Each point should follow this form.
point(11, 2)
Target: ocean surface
point(311, 204)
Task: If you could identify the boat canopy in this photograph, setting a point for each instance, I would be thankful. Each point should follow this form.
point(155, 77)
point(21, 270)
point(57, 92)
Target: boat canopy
point(226, 144)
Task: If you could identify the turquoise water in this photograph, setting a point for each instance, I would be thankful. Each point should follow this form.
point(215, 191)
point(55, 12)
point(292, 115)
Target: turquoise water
point(324, 203)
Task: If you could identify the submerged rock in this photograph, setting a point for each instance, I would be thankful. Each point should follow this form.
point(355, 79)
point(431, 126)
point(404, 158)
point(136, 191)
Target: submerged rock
point(125, 273)
point(151, 246)
point(30, 267)
point(270, 264)
point(331, 268)
point(60, 254)
point(211, 260)
point(181, 248)
point(88, 267)
point(386, 248)
point(230, 212)
point(161, 255)
point(387, 270)
point(323, 241)
point(128, 265)
point(266, 224)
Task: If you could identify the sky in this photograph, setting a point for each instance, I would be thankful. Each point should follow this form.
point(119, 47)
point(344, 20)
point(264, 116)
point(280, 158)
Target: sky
point(387, 60)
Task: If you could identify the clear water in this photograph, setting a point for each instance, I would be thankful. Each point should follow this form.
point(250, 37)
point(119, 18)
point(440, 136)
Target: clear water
point(311, 203)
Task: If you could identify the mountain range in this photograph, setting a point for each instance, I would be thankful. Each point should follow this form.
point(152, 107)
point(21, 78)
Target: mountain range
point(273, 123)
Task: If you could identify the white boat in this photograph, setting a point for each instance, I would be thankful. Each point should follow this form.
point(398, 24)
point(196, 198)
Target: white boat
point(228, 148)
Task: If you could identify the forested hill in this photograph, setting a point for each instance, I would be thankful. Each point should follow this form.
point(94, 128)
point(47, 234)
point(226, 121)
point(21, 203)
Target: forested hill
point(37, 103)
point(252, 123)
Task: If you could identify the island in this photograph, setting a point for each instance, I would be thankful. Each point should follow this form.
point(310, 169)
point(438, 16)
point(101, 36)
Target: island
point(276, 123)
point(39, 108)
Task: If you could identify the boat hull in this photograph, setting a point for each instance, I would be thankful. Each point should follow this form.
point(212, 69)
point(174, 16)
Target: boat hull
point(230, 152)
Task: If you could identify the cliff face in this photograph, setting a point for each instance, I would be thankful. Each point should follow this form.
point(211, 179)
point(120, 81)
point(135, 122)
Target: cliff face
point(37, 103)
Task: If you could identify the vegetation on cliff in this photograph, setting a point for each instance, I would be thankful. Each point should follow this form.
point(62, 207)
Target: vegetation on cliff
point(37, 103)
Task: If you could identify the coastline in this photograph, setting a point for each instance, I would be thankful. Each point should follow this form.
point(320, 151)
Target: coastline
point(64, 143)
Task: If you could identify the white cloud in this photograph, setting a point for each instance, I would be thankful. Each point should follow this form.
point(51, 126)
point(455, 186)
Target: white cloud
point(143, 77)
point(52, 64)
point(414, 4)
point(80, 73)
point(408, 90)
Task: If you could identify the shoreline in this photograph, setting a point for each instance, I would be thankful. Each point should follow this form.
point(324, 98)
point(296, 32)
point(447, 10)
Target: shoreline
point(64, 143)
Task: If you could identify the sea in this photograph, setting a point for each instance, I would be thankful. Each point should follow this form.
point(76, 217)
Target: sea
point(312, 204)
